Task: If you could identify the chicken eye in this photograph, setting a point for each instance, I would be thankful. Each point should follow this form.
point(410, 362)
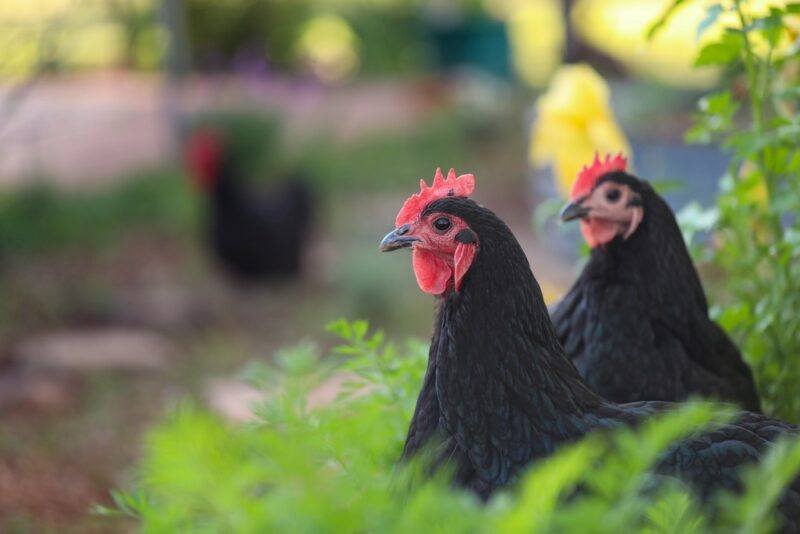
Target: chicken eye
point(442, 224)
point(612, 195)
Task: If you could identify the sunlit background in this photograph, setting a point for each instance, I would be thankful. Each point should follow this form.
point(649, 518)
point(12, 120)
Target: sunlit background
point(113, 302)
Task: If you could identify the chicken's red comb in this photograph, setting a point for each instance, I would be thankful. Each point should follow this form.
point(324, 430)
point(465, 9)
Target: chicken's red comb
point(452, 186)
point(589, 175)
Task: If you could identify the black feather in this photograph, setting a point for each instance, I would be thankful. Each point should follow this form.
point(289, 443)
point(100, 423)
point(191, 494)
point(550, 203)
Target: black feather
point(466, 236)
point(500, 392)
point(257, 234)
point(636, 321)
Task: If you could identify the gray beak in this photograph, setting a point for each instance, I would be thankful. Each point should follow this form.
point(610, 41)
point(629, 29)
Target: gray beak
point(574, 210)
point(397, 239)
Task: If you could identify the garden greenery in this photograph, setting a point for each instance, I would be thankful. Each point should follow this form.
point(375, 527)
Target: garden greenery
point(334, 467)
point(754, 224)
point(42, 218)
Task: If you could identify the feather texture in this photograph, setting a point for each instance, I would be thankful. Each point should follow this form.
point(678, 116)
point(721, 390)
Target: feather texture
point(636, 322)
point(500, 392)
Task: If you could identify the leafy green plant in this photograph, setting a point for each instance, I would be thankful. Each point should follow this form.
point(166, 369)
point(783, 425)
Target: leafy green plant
point(334, 467)
point(755, 224)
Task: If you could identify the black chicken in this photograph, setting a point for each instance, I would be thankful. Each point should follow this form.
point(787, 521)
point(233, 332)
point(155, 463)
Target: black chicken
point(254, 234)
point(499, 391)
point(636, 321)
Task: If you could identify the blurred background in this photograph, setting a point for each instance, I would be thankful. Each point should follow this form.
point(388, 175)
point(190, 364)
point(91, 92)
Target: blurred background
point(189, 185)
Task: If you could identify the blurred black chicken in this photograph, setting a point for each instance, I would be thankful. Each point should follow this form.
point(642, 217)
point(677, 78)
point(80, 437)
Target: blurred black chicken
point(255, 234)
point(636, 321)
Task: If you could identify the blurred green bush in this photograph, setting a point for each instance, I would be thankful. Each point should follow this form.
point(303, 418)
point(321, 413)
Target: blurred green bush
point(221, 31)
point(217, 31)
point(371, 162)
point(42, 218)
point(333, 468)
point(386, 159)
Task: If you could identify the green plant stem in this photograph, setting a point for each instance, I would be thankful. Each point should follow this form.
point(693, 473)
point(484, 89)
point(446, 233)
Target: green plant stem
point(752, 72)
point(758, 95)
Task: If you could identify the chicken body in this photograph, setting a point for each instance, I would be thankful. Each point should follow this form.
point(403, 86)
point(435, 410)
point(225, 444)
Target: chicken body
point(499, 391)
point(254, 233)
point(636, 321)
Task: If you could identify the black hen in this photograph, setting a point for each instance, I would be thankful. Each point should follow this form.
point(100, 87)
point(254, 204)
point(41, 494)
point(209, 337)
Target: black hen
point(255, 234)
point(636, 322)
point(499, 391)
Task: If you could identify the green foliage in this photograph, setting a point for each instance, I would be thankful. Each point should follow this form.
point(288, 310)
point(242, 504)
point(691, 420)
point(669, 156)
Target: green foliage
point(387, 158)
point(361, 278)
point(43, 218)
point(219, 31)
point(756, 229)
point(334, 468)
point(394, 37)
point(143, 45)
point(378, 160)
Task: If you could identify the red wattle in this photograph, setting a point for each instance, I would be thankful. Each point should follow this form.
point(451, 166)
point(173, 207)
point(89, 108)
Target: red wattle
point(598, 231)
point(465, 253)
point(432, 272)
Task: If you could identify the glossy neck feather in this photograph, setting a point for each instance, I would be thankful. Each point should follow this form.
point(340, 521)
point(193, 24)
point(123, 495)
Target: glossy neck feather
point(493, 331)
point(654, 258)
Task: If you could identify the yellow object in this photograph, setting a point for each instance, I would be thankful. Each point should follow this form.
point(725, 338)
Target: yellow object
point(24, 11)
point(329, 46)
point(71, 33)
point(95, 45)
point(537, 33)
point(575, 120)
point(619, 27)
point(757, 192)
